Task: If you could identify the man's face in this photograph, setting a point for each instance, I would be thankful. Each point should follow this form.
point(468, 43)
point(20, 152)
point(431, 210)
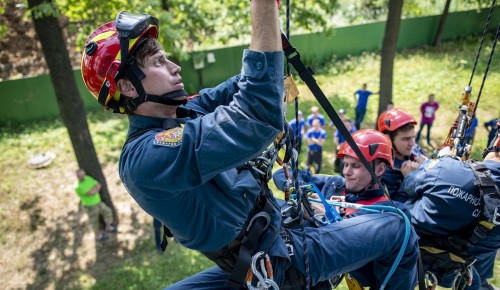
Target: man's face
point(80, 174)
point(316, 124)
point(357, 177)
point(404, 142)
point(162, 75)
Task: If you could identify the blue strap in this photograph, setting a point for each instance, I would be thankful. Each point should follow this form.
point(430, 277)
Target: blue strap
point(330, 211)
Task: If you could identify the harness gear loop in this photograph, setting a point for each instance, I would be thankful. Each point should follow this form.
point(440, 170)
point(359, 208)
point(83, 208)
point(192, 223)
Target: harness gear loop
point(429, 276)
point(264, 275)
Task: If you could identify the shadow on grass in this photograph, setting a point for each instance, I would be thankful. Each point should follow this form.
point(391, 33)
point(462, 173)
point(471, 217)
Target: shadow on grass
point(60, 247)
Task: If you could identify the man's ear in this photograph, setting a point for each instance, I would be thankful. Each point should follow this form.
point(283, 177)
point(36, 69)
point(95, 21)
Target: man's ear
point(126, 88)
point(380, 168)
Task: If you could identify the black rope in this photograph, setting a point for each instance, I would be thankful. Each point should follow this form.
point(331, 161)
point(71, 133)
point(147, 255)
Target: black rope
point(295, 165)
point(487, 68)
point(288, 32)
point(467, 137)
point(482, 40)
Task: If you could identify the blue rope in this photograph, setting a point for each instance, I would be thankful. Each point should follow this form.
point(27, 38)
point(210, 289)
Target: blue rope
point(331, 213)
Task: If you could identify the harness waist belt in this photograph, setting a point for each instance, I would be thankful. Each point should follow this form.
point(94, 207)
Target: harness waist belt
point(236, 257)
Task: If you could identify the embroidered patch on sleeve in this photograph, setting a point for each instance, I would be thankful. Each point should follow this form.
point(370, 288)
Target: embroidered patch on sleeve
point(169, 138)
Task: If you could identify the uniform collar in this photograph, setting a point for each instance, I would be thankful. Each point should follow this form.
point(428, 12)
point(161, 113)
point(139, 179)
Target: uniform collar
point(365, 195)
point(148, 122)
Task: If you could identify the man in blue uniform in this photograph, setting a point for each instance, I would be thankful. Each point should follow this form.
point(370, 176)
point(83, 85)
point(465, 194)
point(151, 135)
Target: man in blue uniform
point(357, 186)
point(399, 125)
point(445, 202)
point(187, 165)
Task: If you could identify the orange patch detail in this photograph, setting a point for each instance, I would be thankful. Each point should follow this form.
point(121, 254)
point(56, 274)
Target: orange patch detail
point(170, 138)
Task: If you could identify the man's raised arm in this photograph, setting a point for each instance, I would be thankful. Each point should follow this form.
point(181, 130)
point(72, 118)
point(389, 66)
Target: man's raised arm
point(266, 35)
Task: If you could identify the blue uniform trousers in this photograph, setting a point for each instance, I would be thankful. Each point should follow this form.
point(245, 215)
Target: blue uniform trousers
point(371, 239)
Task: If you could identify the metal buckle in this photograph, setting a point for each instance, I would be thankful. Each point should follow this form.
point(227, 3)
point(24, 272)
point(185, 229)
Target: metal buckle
point(496, 217)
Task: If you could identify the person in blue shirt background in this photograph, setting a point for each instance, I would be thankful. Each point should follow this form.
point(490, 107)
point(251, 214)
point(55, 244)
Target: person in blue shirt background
point(491, 126)
point(186, 162)
point(361, 99)
point(316, 137)
point(470, 133)
point(315, 115)
point(338, 140)
point(301, 130)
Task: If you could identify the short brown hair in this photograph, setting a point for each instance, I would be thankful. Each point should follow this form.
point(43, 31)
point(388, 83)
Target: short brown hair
point(147, 48)
point(404, 128)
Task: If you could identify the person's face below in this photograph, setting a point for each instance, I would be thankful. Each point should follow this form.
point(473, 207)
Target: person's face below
point(431, 99)
point(357, 177)
point(80, 174)
point(404, 142)
point(162, 75)
point(316, 125)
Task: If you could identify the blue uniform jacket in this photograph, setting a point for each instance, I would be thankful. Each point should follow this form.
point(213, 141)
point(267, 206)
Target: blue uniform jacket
point(442, 195)
point(186, 176)
point(393, 178)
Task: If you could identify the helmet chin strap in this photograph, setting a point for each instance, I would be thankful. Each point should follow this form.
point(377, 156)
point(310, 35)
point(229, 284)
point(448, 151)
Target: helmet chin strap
point(165, 99)
point(136, 75)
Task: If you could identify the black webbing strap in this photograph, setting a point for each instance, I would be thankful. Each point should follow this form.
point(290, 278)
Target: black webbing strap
point(252, 232)
point(306, 74)
point(421, 273)
point(489, 201)
point(164, 240)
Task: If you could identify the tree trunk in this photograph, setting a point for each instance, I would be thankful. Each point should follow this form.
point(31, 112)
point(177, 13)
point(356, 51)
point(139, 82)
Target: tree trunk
point(164, 5)
point(442, 21)
point(70, 104)
point(389, 46)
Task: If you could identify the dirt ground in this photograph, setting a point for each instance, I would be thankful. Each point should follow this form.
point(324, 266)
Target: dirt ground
point(20, 51)
point(49, 242)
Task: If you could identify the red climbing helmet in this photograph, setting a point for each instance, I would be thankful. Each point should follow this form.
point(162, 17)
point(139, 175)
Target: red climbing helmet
point(373, 144)
point(102, 63)
point(393, 119)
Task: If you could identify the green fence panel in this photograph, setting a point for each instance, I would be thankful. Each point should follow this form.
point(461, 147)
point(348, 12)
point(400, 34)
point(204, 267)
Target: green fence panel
point(34, 98)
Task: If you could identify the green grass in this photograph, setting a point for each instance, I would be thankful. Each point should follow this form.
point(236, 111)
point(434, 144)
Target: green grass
point(444, 71)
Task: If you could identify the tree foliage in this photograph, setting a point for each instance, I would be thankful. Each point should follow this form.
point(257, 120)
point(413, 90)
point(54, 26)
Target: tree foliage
point(187, 25)
point(360, 11)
